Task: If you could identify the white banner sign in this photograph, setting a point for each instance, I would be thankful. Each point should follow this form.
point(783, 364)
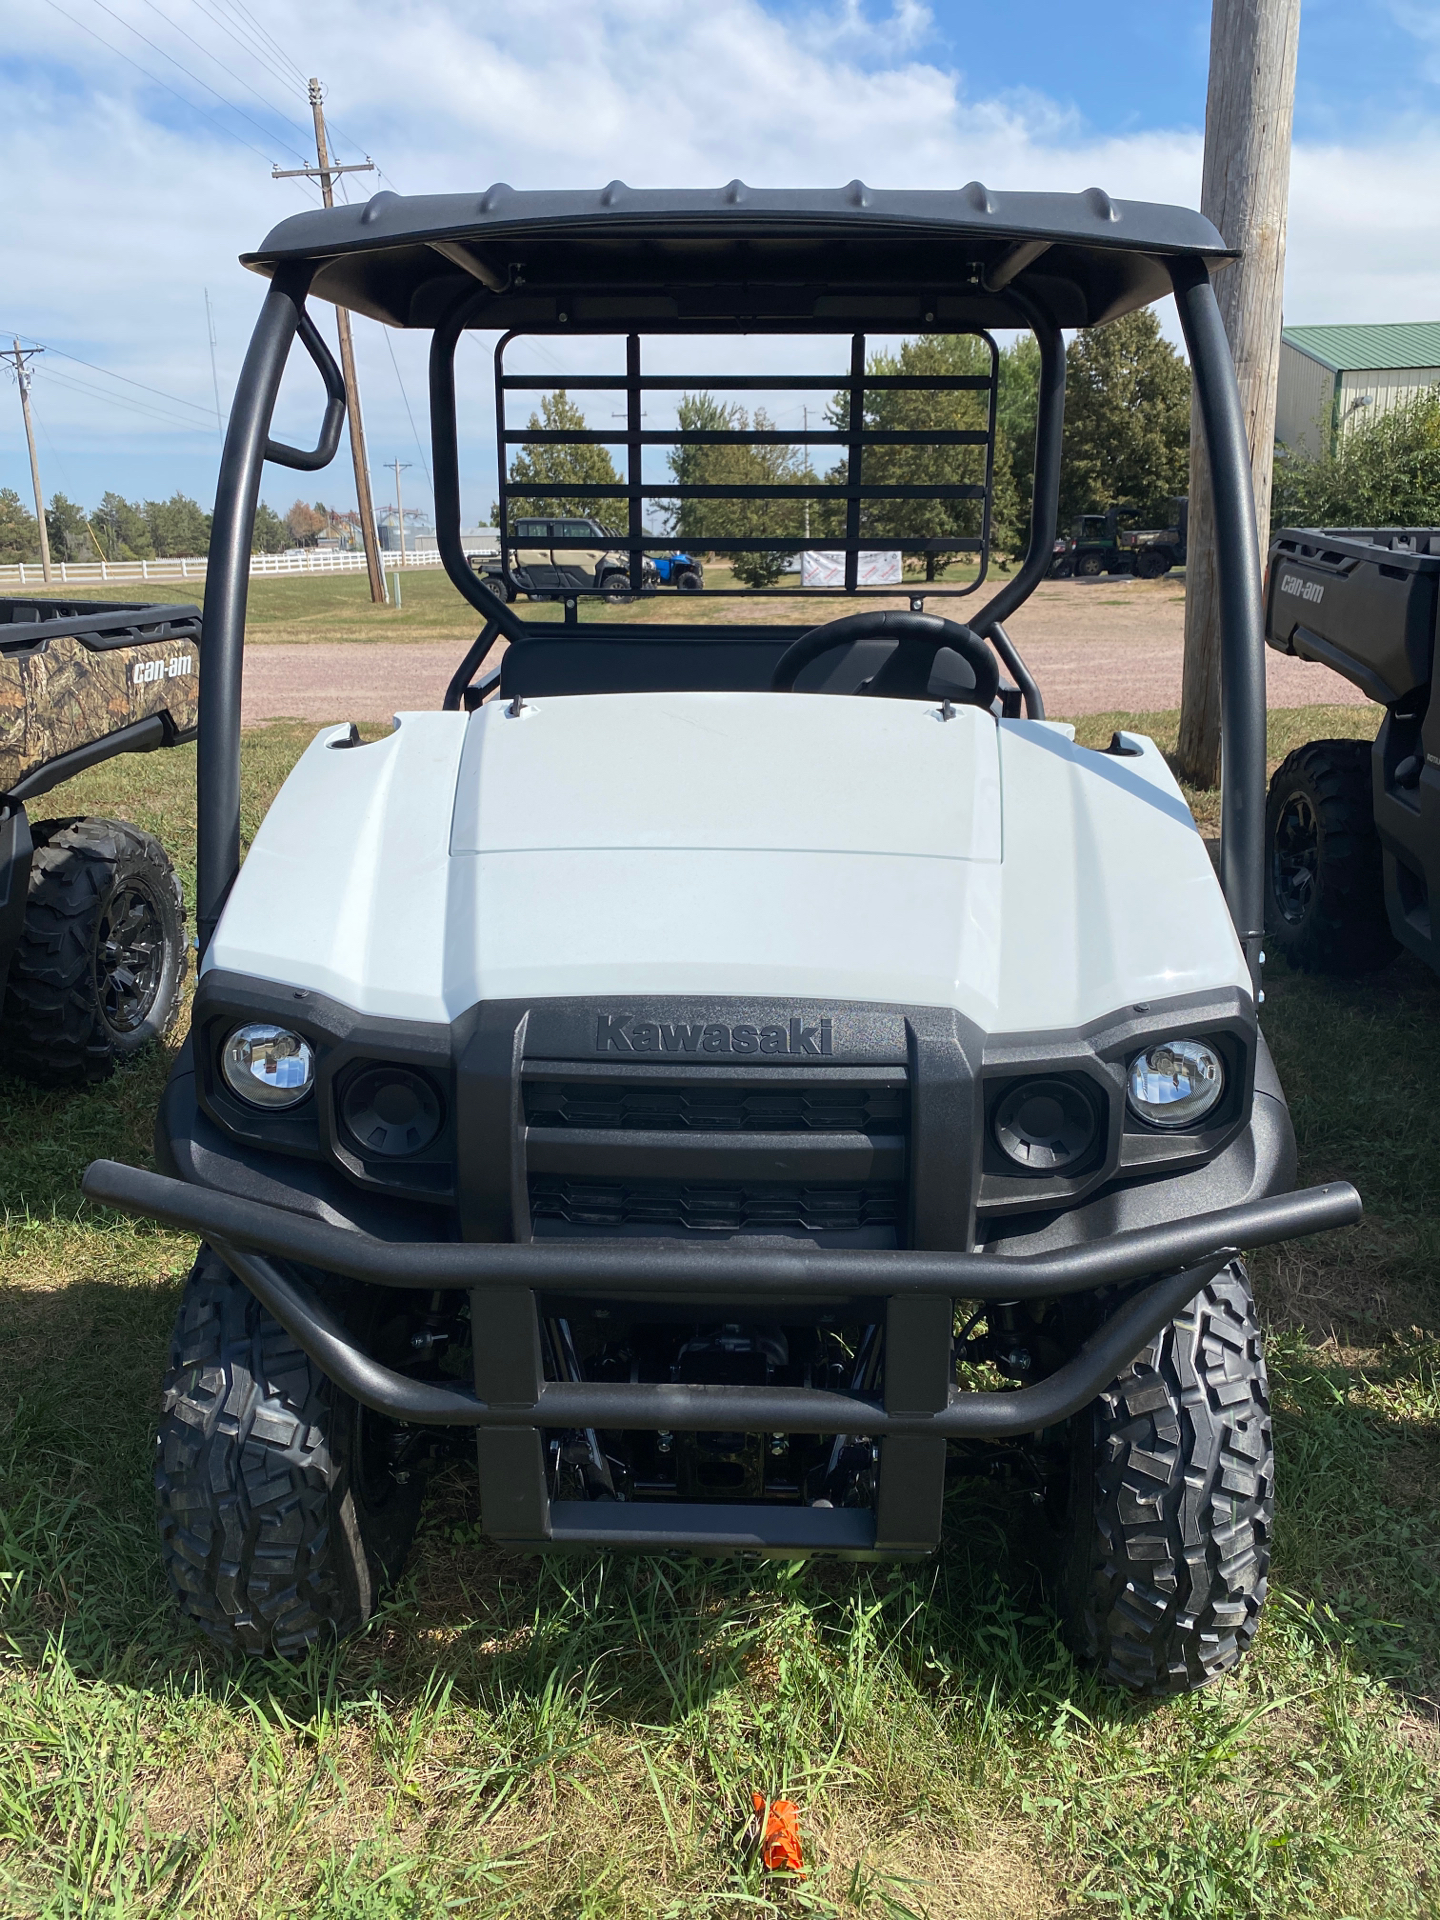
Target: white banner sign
point(828, 570)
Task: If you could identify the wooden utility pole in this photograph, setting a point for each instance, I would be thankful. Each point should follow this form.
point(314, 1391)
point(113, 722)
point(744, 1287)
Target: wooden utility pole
point(22, 357)
point(400, 466)
point(325, 174)
point(1245, 191)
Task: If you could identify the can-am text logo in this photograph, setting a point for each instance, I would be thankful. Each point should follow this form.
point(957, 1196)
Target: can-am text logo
point(1302, 589)
point(623, 1033)
point(144, 671)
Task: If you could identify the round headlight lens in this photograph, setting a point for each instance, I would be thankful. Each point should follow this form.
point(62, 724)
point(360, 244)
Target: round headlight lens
point(268, 1066)
point(1045, 1125)
point(1176, 1082)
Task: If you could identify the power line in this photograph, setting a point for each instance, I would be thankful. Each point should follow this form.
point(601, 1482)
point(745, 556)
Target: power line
point(260, 54)
point(159, 392)
point(279, 112)
point(120, 400)
point(156, 48)
point(263, 34)
point(155, 80)
point(410, 416)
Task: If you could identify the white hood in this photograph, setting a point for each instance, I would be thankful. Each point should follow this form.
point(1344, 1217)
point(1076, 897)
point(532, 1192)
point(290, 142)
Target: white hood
point(714, 844)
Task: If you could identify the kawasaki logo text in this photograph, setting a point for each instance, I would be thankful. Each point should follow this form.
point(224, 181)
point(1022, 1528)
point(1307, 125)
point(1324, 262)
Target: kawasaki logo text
point(623, 1033)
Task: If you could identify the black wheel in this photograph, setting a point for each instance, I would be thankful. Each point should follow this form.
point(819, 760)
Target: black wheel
point(1324, 886)
point(101, 960)
point(1165, 1527)
point(1089, 565)
point(499, 588)
point(1151, 564)
point(616, 586)
point(688, 581)
point(283, 1513)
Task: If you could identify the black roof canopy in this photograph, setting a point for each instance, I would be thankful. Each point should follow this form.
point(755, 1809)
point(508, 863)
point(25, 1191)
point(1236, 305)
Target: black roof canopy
point(719, 259)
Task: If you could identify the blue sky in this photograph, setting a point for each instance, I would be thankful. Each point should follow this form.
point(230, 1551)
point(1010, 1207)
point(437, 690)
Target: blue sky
point(144, 130)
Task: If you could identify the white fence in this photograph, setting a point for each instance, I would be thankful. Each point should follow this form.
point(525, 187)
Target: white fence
point(92, 572)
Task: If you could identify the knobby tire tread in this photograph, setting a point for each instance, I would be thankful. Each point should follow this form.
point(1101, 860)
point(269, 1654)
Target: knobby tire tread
point(52, 1030)
point(1172, 1547)
point(263, 1533)
point(1347, 929)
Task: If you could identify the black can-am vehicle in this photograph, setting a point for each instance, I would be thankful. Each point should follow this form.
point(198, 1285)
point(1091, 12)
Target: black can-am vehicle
point(1353, 830)
point(744, 1075)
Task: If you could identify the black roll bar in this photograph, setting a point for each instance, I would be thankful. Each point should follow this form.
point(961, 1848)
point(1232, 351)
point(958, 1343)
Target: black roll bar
point(445, 454)
point(1242, 613)
point(227, 581)
point(1045, 492)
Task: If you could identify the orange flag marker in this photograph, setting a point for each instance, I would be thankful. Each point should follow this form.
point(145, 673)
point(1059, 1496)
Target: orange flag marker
point(779, 1823)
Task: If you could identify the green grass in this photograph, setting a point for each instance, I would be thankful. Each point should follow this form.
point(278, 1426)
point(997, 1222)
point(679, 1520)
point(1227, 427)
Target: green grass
point(580, 1737)
point(337, 606)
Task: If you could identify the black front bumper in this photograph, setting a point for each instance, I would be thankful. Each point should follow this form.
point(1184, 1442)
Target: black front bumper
point(913, 1292)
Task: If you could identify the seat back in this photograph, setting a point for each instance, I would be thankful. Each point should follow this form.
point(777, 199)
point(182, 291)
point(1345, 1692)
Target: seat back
point(694, 660)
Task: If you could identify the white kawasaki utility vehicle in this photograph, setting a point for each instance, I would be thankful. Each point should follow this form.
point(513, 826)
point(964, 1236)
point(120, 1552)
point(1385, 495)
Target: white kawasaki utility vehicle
point(745, 1073)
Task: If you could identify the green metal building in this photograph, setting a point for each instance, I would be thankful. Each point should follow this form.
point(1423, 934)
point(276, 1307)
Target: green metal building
point(1330, 377)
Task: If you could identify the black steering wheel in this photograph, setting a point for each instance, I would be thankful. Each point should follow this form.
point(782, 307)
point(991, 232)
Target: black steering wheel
point(905, 675)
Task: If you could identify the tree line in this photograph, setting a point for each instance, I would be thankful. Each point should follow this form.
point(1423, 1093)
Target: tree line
point(1127, 436)
point(177, 528)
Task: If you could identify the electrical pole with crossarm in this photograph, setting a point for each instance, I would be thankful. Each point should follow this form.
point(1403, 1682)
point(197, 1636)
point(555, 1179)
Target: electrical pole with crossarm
point(22, 356)
point(325, 173)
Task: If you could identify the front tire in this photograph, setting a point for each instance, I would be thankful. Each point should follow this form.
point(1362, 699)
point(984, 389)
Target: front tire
point(1324, 883)
point(1166, 1530)
point(616, 588)
point(688, 581)
point(101, 961)
point(1089, 566)
point(282, 1513)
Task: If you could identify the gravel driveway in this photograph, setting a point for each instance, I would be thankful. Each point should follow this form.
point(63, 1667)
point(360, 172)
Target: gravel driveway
point(1106, 648)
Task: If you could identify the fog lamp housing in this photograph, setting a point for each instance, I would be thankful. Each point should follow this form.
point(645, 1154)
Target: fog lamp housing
point(1175, 1083)
point(391, 1111)
point(1045, 1126)
point(268, 1066)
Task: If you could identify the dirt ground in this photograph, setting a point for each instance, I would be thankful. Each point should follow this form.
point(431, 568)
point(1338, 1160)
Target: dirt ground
point(1106, 647)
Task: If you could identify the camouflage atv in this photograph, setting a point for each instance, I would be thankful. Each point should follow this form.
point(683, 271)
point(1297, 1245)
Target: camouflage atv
point(92, 942)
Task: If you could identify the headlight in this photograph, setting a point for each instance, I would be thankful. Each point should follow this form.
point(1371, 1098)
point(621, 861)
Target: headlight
point(1176, 1082)
point(268, 1066)
point(391, 1110)
point(1045, 1125)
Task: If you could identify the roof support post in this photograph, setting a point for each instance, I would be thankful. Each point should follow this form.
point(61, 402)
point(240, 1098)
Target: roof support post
point(445, 458)
point(1241, 608)
point(227, 589)
point(1045, 494)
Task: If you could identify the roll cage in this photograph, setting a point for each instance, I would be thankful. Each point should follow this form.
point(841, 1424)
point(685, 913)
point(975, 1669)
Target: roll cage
point(634, 264)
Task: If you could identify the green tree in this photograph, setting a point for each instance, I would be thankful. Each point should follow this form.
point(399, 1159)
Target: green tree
point(1127, 420)
point(696, 521)
point(542, 463)
point(19, 531)
point(120, 527)
point(69, 530)
point(897, 409)
point(1017, 407)
point(1385, 472)
point(179, 528)
point(271, 535)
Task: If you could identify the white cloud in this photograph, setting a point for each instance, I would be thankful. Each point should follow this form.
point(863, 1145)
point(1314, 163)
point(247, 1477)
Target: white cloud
point(131, 207)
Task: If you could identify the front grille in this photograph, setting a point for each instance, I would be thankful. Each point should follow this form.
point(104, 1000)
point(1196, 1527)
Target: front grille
point(722, 1108)
point(715, 1208)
